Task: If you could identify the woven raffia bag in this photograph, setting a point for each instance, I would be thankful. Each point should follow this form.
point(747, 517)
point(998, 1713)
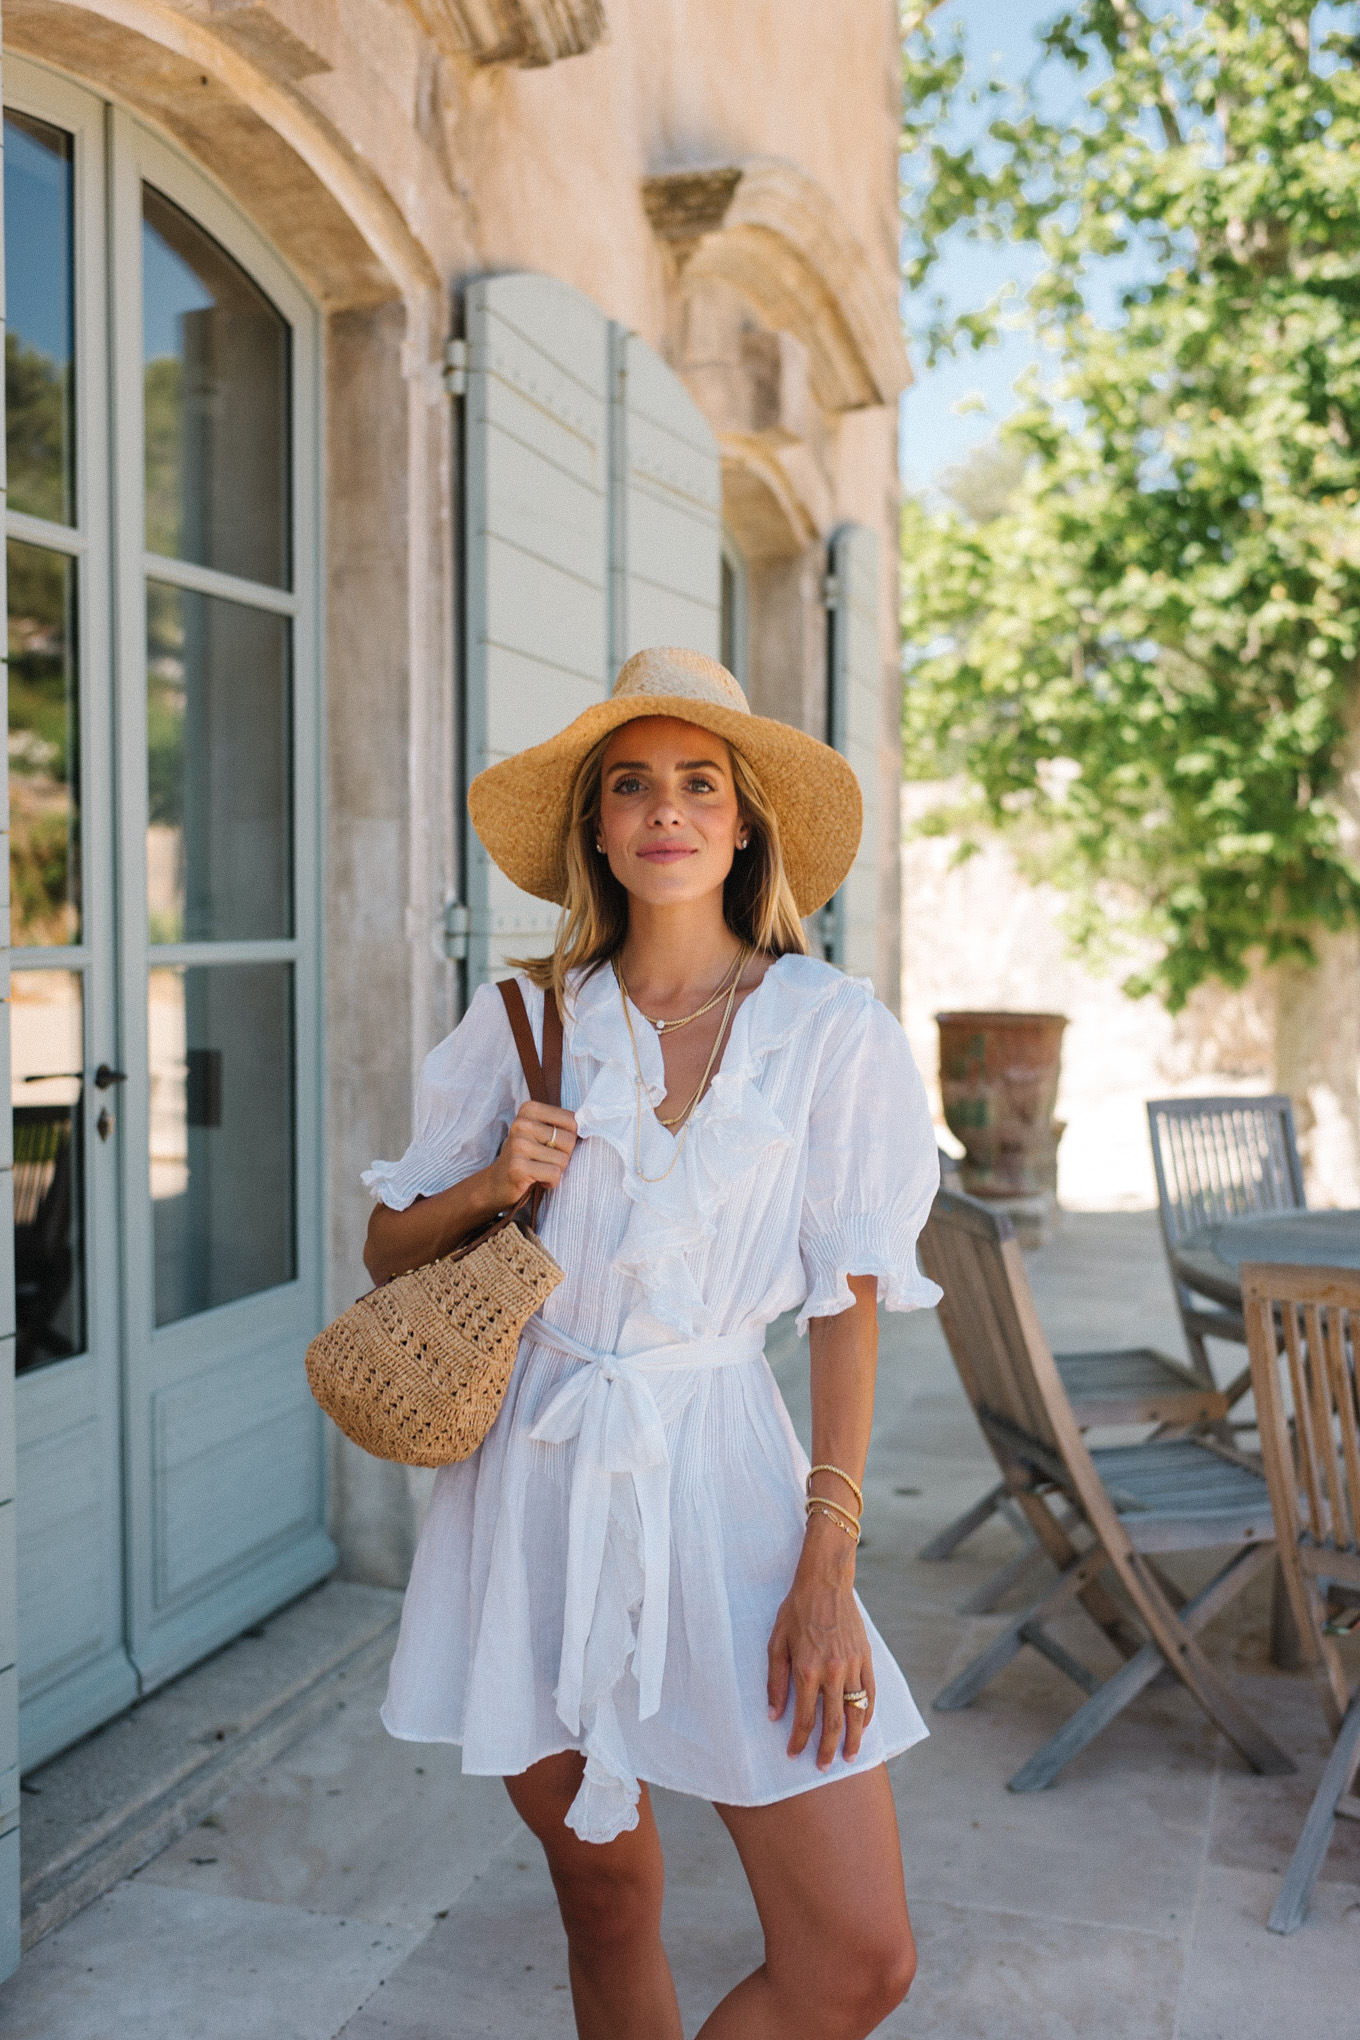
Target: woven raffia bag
point(417, 1370)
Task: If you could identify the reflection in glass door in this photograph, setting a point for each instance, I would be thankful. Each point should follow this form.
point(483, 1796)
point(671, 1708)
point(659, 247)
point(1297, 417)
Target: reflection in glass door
point(215, 355)
point(73, 1663)
point(166, 1237)
point(219, 714)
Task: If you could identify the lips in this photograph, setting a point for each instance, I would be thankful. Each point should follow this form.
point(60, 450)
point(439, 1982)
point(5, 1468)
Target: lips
point(671, 854)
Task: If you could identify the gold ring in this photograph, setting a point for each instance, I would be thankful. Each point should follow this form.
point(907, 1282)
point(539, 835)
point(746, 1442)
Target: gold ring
point(859, 1698)
point(552, 1138)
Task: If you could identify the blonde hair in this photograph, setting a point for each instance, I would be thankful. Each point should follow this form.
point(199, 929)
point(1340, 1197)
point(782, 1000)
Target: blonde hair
point(758, 902)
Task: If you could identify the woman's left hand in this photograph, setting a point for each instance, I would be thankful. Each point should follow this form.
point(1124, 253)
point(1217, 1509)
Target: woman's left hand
point(819, 1647)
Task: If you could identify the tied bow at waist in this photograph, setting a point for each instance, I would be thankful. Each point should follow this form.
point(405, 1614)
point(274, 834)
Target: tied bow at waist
point(608, 1407)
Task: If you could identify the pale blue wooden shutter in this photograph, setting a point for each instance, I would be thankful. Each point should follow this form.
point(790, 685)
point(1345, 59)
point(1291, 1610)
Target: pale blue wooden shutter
point(537, 476)
point(665, 509)
point(856, 684)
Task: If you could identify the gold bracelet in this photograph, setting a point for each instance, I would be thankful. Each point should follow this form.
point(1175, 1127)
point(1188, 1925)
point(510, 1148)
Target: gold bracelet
point(854, 1486)
point(827, 1503)
point(851, 1528)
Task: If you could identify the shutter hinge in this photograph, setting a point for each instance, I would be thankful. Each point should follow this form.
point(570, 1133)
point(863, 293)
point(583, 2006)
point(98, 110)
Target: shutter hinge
point(456, 368)
point(457, 929)
point(831, 590)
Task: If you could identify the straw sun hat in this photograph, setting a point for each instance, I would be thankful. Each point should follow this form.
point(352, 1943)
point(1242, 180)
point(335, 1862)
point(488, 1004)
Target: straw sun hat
point(521, 807)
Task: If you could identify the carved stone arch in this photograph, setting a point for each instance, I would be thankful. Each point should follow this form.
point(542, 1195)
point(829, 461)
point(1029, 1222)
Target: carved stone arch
point(761, 506)
point(527, 33)
point(777, 235)
point(221, 87)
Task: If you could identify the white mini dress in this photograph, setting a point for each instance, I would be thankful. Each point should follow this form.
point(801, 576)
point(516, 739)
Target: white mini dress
point(603, 1574)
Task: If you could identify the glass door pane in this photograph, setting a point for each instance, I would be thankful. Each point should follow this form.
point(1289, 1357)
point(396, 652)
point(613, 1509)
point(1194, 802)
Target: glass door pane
point(219, 703)
point(40, 310)
point(44, 748)
point(222, 1171)
point(47, 1056)
point(216, 362)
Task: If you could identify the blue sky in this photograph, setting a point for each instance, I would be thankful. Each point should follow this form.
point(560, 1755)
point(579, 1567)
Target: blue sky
point(934, 434)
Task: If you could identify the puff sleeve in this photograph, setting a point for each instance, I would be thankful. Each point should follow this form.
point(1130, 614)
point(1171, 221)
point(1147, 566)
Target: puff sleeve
point(872, 1166)
point(471, 1087)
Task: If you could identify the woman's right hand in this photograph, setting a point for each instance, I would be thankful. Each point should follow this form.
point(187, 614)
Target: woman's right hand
point(431, 1226)
point(537, 1149)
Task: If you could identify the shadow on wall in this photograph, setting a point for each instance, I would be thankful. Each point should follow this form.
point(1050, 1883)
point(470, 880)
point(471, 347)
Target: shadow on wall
point(978, 934)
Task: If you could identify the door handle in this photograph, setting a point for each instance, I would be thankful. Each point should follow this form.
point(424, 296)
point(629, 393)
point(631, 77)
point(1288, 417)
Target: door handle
point(105, 1078)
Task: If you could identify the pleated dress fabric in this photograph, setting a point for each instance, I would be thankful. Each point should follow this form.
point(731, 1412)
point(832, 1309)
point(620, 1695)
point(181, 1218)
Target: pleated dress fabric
point(604, 1573)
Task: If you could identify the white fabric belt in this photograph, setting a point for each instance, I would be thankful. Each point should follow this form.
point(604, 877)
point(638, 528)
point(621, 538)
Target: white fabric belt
point(608, 1407)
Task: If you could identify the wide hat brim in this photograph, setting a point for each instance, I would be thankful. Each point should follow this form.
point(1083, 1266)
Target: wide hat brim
point(521, 806)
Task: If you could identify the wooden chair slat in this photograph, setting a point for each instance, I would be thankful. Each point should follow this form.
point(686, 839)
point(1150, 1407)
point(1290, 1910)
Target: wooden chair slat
point(1343, 1327)
point(1217, 1159)
point(1324, 1434)
point(1316, 1458)
point(1303, 1414)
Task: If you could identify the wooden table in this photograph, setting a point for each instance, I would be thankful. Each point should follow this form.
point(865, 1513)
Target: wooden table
point(1209, 1261)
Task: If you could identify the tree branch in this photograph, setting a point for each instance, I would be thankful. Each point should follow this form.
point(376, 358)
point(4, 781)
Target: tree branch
point(1133, 27)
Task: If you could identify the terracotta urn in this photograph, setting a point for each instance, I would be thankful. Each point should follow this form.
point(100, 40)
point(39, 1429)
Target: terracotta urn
point(999, 1078)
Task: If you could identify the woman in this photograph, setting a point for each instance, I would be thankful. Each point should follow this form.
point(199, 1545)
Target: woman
point(628, 1581)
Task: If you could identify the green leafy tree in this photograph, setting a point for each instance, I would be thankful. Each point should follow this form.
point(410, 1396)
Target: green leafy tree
point(37, 431)
point(1169, 599)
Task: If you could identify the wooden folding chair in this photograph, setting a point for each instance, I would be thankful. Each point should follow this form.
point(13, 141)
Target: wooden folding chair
point(1130, 1503)
point(1127, 1385)
point(1303, 1335)
point(1216, 1159)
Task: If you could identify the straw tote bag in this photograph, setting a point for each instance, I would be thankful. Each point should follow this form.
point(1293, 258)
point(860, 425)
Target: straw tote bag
point(417, 1370)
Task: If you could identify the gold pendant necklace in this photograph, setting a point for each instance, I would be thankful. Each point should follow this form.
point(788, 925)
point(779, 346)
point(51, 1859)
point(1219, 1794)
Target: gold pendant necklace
point(669, 1026)
point(641, 1085)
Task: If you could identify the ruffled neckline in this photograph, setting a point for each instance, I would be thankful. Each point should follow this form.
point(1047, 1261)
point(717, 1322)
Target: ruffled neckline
point(678, 1190)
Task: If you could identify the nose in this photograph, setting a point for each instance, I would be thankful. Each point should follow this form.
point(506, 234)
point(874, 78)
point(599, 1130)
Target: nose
point(664, 813)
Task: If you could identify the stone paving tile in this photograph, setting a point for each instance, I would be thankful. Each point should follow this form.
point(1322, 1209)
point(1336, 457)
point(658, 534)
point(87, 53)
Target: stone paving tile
point(496, 1966)
point(1020, 1976)
point(349, 1822)
point(174, 1965)
point(1244, 1983)
point(712, 1933)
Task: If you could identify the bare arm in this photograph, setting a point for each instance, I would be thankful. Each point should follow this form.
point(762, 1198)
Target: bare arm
point(398, 1240)
point(818, 1645)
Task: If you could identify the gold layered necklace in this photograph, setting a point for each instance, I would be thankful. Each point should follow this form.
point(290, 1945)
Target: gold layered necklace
point(681, 1119)
point(669, 1026)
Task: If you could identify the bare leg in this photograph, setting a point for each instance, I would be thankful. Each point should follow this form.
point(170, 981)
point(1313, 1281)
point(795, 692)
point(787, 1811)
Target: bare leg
point(825, 1870)
point(610, 1898)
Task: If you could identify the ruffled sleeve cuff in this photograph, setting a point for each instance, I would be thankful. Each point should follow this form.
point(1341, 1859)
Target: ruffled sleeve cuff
point(868, 1245)
point(398, 1184)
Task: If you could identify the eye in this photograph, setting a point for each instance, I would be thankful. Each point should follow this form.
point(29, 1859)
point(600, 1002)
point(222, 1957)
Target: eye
point(700, 783)
point(629, 783)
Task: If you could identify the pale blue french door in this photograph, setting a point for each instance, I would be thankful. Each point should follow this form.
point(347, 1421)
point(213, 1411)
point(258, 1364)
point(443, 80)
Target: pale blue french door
point(163, 770)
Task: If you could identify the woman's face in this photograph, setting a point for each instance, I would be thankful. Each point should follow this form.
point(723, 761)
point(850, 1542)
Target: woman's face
point(669, 821)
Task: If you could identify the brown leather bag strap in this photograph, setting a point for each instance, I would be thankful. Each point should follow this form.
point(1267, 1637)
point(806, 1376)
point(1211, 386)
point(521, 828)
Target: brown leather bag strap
point(552, 1049)
point(543, 1078)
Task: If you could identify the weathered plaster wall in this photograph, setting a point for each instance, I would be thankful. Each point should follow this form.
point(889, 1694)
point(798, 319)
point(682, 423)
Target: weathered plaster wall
point(387, 171)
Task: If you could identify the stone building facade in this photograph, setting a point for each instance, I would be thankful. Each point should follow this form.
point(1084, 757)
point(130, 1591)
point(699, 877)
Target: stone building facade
point(397, 366)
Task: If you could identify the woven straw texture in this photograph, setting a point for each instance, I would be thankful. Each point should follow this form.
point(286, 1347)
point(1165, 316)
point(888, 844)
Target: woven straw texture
point(417, 1370)
point(520, 806)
